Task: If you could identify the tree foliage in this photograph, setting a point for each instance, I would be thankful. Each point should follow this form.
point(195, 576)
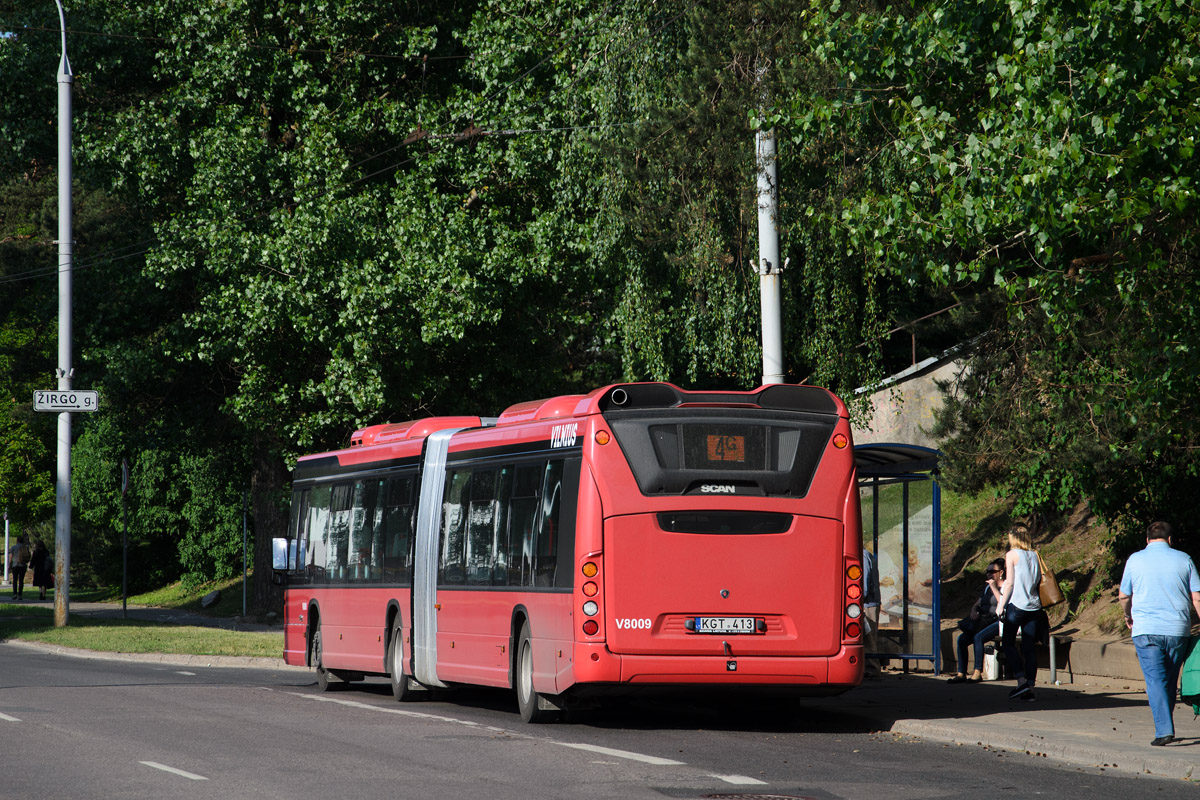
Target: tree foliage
point(1044, 153)
point(297, 218)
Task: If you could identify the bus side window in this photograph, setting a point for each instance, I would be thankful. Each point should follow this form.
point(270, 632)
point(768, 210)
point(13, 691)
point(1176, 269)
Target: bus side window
point(522, 521)
point(338, 553)
point(547, 538)
point(454, 526)
point(481, 527)
point(502, 549)
point(318, 532)
point(398, 525)
point(298, 529)
point(362, 529)
point(567, 518)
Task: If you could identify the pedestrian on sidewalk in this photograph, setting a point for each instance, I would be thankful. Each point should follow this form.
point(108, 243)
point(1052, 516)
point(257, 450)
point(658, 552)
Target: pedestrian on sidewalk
point(19, 555)
point(981, 625)
point(1022, 610)
point(40, 564)
point(1159, 590)
point(871, 667)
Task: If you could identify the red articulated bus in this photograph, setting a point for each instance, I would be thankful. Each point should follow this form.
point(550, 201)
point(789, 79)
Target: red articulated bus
point(637, 536)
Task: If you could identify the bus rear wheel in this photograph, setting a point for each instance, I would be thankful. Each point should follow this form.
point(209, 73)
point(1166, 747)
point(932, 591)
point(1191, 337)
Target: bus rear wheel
point(527, 698)
point(400, 688)
point(323, 675)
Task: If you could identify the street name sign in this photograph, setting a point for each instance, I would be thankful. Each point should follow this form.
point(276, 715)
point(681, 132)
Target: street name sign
point(65, 400)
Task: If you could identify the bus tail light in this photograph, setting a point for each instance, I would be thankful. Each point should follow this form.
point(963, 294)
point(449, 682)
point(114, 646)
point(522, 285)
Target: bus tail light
point(591, 591)
point(854, 592)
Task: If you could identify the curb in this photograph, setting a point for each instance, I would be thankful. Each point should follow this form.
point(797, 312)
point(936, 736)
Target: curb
point(1067, 749)
point(177, 660)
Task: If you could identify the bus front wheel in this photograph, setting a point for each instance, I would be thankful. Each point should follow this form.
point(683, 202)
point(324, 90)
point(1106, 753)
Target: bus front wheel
point(527, 698)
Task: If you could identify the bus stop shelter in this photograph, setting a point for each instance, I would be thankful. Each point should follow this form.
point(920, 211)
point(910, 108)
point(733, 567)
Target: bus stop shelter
point(901, 515)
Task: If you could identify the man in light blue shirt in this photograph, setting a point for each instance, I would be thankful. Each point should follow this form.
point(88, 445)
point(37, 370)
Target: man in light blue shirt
point(1159, 590)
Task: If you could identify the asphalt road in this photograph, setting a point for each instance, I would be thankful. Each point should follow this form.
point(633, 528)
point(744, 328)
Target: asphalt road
point(88, 728)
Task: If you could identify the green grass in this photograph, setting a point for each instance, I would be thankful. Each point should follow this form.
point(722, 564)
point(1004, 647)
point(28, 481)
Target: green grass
point(31, 623)
point(23, 623)
point(178, 597)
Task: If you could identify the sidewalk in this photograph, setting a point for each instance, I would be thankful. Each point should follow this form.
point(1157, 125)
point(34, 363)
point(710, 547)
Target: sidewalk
point(1096, 722)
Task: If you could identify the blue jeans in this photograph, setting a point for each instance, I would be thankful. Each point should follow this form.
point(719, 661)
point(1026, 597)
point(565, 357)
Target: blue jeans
point(1161, 658)
point(979, 638)
point(1021, 665)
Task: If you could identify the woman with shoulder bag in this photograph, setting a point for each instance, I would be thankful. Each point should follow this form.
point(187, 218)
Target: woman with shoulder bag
point(982, 625)
point(1022, 610)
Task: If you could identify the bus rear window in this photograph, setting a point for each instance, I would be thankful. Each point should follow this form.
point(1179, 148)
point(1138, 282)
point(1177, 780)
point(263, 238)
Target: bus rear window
point(725, 522)
point(691, 451)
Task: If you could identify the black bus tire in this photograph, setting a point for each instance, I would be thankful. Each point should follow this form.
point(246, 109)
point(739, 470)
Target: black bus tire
point(527, 698)
point(400, 687)
point(324, 681)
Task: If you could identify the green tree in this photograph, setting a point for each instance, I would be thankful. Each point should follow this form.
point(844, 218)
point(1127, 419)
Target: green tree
point(338, 260)
point(713, 74)
point(1043, 153)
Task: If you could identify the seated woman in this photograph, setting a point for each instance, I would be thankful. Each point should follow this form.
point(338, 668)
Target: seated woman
point(982, 625)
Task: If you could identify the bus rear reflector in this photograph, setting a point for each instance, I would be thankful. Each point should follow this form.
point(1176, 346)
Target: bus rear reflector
point(853, 631)
point(590, 627)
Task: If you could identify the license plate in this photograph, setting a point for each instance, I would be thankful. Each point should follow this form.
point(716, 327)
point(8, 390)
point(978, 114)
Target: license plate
point(725, 625)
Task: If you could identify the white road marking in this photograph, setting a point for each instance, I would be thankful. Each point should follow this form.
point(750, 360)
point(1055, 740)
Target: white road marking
point(406, 713)
point(182, 672)
point(740, 780)
point(608, 751)
point(189, 775)
point(7, 718)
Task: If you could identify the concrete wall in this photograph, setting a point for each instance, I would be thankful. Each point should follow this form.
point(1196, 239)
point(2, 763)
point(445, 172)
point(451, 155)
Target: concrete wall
point(902, 412)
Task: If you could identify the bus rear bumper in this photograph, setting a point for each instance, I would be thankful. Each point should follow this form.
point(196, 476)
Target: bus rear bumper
point(593, 663)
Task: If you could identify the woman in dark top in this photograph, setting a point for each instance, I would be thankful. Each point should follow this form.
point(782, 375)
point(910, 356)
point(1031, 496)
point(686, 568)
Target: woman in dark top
point(982, 625)
point(40, 564)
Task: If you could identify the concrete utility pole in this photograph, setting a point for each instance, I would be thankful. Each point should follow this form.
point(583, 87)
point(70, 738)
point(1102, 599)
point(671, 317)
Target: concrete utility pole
point(62, 504)
point(769, 269)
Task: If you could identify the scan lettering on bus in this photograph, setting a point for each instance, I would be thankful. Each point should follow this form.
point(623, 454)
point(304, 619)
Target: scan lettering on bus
point(564, 435)
point(717, 488)
point(634, 624)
